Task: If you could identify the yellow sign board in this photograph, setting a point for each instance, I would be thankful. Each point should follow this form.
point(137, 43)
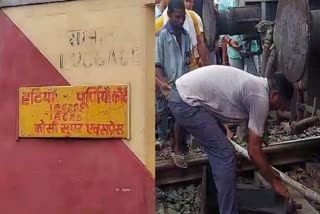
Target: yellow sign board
point(74, 111)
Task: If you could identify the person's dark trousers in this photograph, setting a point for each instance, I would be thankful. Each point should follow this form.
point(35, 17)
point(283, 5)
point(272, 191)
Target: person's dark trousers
point(219, 56)
point(221, 153)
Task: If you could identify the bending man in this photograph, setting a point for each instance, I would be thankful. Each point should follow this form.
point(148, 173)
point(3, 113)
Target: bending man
point(217, 94)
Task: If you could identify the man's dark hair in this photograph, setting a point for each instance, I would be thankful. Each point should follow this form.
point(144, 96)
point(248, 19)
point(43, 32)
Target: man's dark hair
point(282, 85)
point(175, 4)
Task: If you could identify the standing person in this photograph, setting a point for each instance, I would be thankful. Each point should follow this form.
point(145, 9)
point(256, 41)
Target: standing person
point(160, 7)
point(192, 26)
point(231, 55)
point(172, 60)
point(198, 51)
point(215, 94)
point(161, 110)
point(189, 4)
point(231, 47)
point(197, 6)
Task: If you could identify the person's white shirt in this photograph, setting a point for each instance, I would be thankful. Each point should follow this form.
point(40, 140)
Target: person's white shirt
point(230, 94)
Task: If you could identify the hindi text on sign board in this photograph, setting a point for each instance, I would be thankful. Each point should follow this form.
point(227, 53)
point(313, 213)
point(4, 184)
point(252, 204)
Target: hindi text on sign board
point(93, 111)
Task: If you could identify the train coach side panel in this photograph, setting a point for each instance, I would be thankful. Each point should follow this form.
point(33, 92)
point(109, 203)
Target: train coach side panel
point(85, 42)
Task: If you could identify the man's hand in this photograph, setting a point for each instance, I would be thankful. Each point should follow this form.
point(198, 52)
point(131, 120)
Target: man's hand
point(165, 88)
point(231, 42)
point(161, 83)
point(234, 44)
point(225, 62)
point(281, 189)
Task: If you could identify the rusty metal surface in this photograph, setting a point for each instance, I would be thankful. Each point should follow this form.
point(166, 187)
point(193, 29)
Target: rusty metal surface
point(271, 62)
point(252, 199)
point(265, 28)
point(292, 37)
point(313, 76)
point(315, 32)
point(293, 206)
point(300, 126)
point(239, 20)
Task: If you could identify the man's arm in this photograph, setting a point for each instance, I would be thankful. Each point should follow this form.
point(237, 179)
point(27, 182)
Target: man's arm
point(228, 40)
point(259, 160)
point(201, 47)
point(159, 62)
point(258, 113)
point(225, 5)
point(159, 77)
point(225, 58)
point(160, 81)
point(202, 50)
point(257, 156)
point(200, 63)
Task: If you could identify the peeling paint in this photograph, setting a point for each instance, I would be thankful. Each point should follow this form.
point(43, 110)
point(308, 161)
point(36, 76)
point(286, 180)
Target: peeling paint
point(123, 190)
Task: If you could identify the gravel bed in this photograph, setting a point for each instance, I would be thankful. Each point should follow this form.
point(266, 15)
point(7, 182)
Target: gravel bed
point(184, 198)
point(302, 177)
point(278, 134)
point(178, 199)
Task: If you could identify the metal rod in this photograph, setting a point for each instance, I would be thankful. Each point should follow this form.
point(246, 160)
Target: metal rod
point(265, 56)
point(270, 63)
point(315, 32)
point(314, 112)
point(299, 105)
point(308, 193)
point(293, 105)
point(298, 127)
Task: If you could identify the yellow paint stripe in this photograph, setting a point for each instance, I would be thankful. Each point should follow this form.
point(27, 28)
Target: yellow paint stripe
point(96, 42)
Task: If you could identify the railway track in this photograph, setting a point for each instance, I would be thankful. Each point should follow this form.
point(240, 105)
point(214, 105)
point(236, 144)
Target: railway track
point(202, 199)
point(283, 153)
